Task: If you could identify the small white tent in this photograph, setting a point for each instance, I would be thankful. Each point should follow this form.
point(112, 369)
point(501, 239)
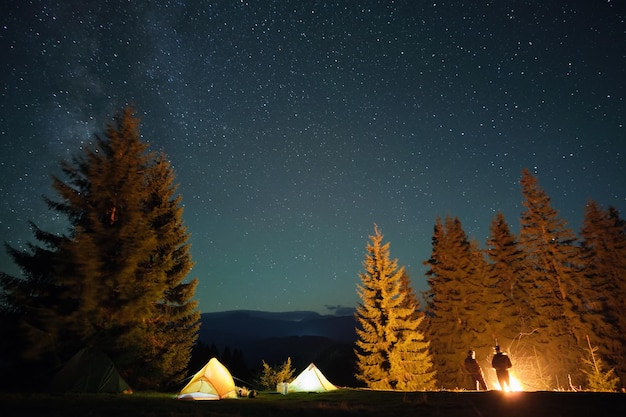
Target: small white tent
point(311, 380)
point(212, 382)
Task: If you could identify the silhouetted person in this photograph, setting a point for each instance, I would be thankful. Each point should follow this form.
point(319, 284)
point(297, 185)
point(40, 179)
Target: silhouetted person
point(501, 363)
point(473, 368)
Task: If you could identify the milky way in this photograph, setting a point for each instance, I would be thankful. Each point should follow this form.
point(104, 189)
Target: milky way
point(295, 126)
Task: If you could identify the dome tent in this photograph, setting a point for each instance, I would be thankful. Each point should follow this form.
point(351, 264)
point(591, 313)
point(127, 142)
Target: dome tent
point(212, 382)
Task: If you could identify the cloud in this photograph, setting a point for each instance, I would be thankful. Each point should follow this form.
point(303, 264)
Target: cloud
point(340, 310)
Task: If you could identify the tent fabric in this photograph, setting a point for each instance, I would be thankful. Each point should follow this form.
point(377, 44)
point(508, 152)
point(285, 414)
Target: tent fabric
point(212, 382)
point(311, 380)
point(89, 371)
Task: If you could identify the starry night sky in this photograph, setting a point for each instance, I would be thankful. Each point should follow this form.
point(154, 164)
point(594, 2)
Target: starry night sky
point(293, 126)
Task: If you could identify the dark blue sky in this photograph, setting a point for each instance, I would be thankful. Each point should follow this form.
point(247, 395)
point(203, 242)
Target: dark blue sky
point(293, 126)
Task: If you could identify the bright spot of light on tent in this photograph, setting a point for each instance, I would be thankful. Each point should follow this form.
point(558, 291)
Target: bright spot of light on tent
point(308, 385)
point(311, 380)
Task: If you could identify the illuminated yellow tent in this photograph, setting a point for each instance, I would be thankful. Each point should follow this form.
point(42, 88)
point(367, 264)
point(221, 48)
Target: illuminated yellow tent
point(311, 380)
point(212, 382)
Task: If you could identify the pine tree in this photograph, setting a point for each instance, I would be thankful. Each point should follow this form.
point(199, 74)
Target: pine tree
point(598, 378)
point(506, 301)
point(455, 301)
point(115, 281)
point(23, 302)
point(477, 299)
point(551, 283)
point(413, 354)
point(504, 297)
point(604, 252)
point(506, 265)
point(391, 351)
point(107, 266)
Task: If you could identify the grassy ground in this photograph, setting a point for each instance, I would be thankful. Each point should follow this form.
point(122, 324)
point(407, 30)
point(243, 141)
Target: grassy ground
point(343, 402)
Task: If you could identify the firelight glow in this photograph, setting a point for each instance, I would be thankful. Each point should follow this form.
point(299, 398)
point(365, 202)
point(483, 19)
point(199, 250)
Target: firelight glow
point(514, 385)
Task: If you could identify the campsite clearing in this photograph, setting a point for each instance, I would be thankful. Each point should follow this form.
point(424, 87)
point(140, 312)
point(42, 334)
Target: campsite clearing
point(341, 402)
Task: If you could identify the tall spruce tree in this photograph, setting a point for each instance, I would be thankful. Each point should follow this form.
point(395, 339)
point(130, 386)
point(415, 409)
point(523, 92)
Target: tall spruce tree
point(504, 295)
point(604, 258)
point(107, 269)
point(391, 350)
point(506, 301)
point(505, 267)
point(115, 280)
point(555, 332)
point(455, 301)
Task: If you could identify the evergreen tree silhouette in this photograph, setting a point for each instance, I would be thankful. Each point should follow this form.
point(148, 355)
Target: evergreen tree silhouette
point(454, 300)
point(551, 282)
point(603, 243)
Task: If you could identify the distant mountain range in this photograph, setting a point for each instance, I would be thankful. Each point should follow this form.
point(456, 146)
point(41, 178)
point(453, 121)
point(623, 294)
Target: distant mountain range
point(303, 336)
point(238, 326)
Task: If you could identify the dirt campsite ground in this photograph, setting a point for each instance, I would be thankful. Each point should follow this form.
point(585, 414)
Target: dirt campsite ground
point(343, 402)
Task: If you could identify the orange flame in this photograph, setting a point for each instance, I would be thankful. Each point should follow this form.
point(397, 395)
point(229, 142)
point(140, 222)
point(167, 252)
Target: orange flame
point(515, 385)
